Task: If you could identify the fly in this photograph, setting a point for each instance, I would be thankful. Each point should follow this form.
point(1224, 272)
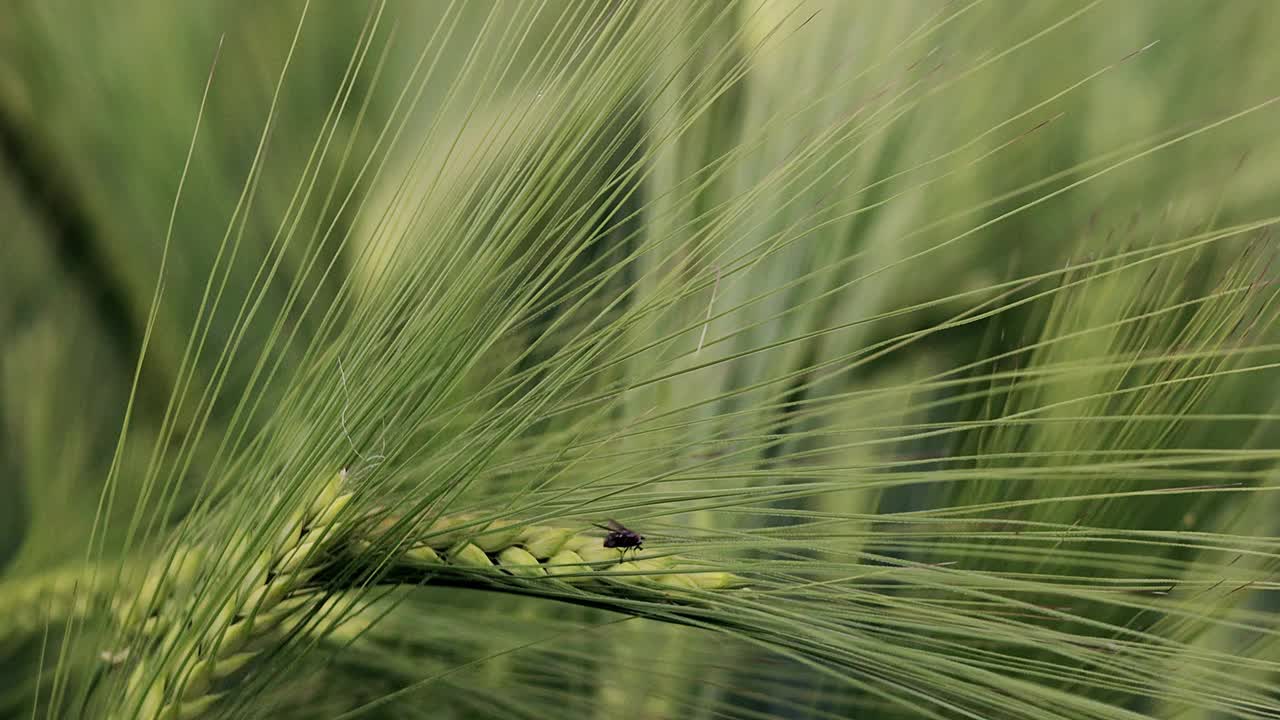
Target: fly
point(621, 537)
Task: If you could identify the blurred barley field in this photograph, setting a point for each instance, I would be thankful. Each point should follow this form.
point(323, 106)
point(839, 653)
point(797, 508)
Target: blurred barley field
point(930, 345)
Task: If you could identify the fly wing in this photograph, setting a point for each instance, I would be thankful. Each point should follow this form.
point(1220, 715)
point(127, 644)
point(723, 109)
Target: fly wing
point(616, 526)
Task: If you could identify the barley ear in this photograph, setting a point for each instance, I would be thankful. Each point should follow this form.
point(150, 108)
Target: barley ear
point(279, 584)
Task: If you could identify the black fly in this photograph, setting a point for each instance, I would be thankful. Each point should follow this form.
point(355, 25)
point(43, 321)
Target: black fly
point(620, 537)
